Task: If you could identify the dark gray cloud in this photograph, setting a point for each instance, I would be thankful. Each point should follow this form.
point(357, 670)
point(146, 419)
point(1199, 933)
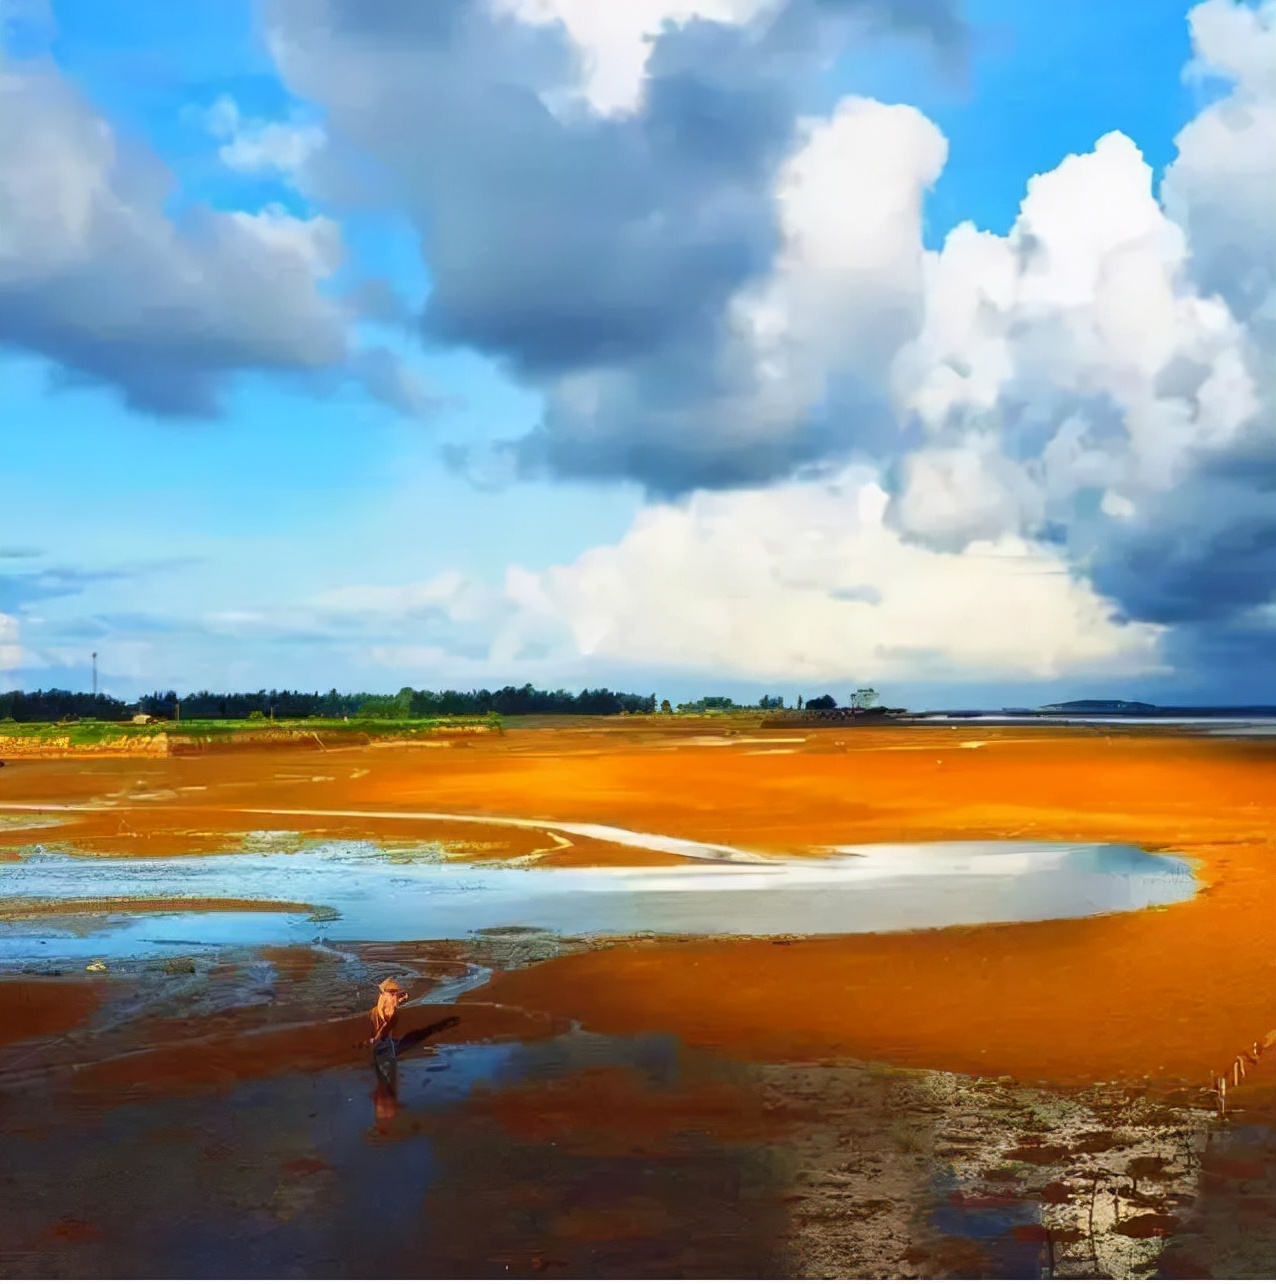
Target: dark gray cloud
point(689, 418)
point(1222, 661)
point(1203, 552)
point(97, 278)
point(559, 245)
point(571, 245)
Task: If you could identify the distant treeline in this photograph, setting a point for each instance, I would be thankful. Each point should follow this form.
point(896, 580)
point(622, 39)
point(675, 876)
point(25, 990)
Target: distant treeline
point(55, 705)
point(50, 706)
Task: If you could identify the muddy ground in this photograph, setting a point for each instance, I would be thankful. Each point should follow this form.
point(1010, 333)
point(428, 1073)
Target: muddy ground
point(199, 1117)
point(1005, 1100)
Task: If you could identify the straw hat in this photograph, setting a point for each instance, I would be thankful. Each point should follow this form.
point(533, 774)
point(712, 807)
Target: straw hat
point(391, 986)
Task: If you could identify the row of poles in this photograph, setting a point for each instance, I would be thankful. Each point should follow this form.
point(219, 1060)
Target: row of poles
point(1238, 1070)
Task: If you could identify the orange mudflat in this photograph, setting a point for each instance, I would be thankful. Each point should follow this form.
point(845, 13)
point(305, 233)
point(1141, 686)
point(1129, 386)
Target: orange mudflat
point(1167, 995)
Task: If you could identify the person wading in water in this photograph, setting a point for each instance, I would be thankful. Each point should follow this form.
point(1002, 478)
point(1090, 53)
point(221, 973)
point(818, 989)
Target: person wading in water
point(386, 1013)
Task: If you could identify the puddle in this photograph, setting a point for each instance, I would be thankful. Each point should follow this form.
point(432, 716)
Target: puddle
point(609, 1157)
point(872, 888)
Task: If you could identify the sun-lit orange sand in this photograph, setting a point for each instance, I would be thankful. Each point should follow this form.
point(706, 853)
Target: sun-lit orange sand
point(1167, 996)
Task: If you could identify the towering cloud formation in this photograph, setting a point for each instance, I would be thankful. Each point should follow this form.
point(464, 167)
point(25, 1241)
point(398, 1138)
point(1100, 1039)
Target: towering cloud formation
point(1103, 375)
point(606, 250)
point(713, 292)
point(728, 300)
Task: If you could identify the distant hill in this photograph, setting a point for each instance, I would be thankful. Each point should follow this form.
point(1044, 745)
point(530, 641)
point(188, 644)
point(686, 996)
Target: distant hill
point(1132, 708)
point(1099, 706)
point(1080, 710)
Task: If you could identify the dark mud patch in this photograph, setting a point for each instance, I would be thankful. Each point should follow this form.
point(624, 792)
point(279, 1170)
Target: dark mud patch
point(502, 1143)
point(43, 1008)
point(23, 908)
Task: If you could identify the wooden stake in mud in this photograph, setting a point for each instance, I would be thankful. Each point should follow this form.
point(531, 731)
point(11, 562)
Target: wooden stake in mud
point(1240, 1070)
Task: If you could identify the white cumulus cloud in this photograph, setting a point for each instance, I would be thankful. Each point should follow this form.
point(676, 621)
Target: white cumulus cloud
point(806, 579)
point(846, 286)
point(253, 146)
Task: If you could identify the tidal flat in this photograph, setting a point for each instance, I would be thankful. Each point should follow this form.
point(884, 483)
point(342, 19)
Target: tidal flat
point(716, 1055)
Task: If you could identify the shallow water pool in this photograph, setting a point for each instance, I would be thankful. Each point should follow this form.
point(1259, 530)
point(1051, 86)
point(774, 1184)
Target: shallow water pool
point(366, 896)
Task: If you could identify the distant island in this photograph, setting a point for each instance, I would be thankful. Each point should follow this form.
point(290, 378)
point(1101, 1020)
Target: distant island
point(1098, 706)
point(1082, 709)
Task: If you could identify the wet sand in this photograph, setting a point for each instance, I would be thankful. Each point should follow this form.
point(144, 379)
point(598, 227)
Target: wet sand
point(1167, 995)
point(17, 908)
point(671, 1106)
point(216, 1122)
point(42, 1009)
point(256, 1140)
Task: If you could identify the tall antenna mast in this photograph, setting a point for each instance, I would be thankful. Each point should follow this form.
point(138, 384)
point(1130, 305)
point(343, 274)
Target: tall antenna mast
point(95, 673)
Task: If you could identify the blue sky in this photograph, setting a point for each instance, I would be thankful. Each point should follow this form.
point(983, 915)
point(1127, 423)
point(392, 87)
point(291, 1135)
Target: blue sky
point(139, 532)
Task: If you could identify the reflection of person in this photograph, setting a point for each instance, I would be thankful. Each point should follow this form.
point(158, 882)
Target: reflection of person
point(385, 1099)
point(386, 1013)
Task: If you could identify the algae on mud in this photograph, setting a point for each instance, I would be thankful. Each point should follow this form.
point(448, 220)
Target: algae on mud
point(1149, 1002)
point(512, 1141)
point(1207, 799)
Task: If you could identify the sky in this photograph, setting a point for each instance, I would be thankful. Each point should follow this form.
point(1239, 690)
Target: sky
point(695, 346)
